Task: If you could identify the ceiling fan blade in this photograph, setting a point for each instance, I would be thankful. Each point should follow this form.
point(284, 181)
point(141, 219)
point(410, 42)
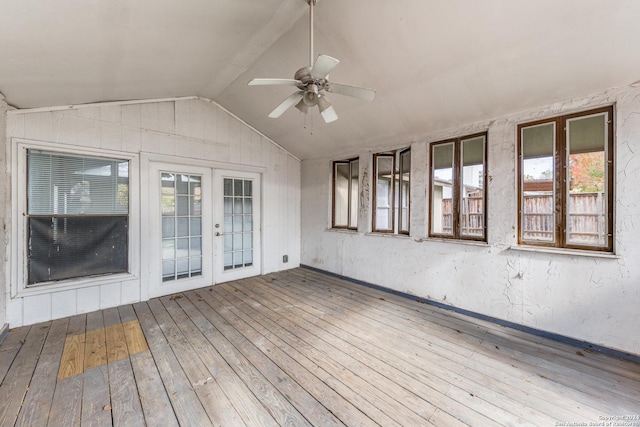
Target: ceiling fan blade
point(329, 115)
point(274, 82)
point(363, 93)
point(293, 99)
point(323, 66)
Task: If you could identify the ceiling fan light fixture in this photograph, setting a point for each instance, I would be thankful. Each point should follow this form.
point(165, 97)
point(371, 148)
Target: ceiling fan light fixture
point(326, 110)
point(311, 95)
point(302, 106)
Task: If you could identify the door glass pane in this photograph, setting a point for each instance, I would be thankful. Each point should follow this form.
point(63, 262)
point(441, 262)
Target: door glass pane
point(238, 223)
point(587, 213)
point(538, 189)
point(384, 193)
point(472, 191)
point(181, 226)
point(442, 189)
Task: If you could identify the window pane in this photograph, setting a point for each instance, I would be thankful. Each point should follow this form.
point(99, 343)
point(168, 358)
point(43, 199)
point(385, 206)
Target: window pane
point(353, 194)
point(403, 191)
point(587, 211)
point(442, 189)
point(538, 190)
point(228, 187)
point(384, 193)
point(63, 184)
point(341, 195)
point(65, 248)
point(472, 191)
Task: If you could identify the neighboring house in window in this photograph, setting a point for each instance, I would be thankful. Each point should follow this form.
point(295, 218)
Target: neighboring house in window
point(565, 181)
point(457, 193)
point(345, 194)
point(391, 199)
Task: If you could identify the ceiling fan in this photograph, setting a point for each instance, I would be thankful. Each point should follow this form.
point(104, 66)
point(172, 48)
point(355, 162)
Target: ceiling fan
point(313, 82)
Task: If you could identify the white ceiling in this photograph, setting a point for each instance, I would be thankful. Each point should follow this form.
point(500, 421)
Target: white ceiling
point(434, 64)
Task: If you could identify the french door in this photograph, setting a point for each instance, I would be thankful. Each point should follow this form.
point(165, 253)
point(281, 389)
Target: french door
point(203, 227)
point(237, 228)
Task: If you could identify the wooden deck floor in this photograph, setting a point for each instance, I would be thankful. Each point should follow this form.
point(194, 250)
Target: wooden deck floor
point(301, 348)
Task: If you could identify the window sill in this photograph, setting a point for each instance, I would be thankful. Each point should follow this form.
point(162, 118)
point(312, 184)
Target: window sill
point(454, 241)
point(72, 284)
point(342, 230)
point(561, 251)
point(380, 234)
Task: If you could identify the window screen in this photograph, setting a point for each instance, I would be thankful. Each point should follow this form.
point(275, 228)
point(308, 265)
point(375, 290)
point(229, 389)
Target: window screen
point(77, 216)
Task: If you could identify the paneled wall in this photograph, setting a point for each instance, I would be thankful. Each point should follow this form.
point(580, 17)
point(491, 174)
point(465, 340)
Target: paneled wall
point(585, 297)
point(185, 128)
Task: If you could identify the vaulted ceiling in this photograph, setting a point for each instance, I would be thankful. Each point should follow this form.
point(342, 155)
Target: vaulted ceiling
point(434, 64)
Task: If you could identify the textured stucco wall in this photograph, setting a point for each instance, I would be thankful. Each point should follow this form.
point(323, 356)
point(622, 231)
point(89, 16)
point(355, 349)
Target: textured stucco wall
point(584, 297)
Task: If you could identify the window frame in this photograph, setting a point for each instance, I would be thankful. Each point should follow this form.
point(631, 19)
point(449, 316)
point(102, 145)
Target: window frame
point(37, 215)
point(561, 175)
point(350, 194)
point(457, 178)
point(396, 199)
point(19, 249)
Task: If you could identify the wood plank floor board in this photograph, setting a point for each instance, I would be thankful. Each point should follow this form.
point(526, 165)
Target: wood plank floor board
point(67, 398)
point(301, 397)
point(185, 402)
point(595, 389)
point(301, 347)
point(300, 369)
point(195, 296)
point(261, 375)
point(401, 400)
point(557, 374)
point(16, 381)
point(540, 374)
point(208, 340)
point(220, 357)
point(126, 409)
point(155, 402)
point(416, 361)
point(10, 347)
point(379, 360)
point(597, 361)
point(37, 401)
point(218, 407)
point(96, 400)
point(313, 360)
point(330, 407)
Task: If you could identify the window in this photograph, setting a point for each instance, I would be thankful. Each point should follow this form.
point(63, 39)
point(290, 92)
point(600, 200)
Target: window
point(457, 193)
point(392, 172)
point(345, 194)
point(565, 181)
point(77, 216)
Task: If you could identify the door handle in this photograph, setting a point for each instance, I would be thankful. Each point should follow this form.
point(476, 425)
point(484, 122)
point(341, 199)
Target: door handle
point(218, 233)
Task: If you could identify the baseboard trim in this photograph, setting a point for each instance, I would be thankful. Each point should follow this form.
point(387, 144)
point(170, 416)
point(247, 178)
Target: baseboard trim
point(533, 331)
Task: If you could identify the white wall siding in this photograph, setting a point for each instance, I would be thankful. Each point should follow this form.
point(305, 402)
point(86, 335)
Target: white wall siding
point(590, 298)
point(190, 128)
